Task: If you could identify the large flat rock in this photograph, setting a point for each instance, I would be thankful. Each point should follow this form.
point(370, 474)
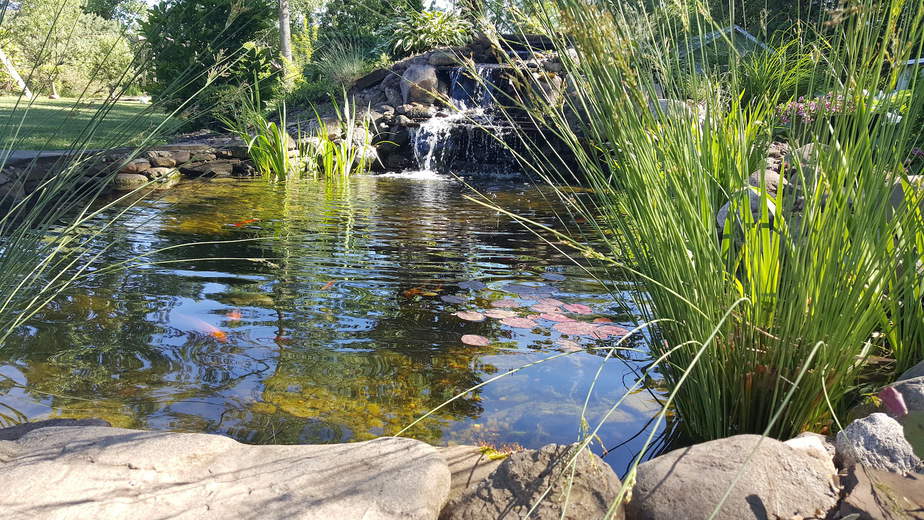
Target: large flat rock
point(113, 473)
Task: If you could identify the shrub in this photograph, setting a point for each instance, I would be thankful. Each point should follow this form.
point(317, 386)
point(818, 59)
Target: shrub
point(423, 30)
point(341, 62)
point(204, 44)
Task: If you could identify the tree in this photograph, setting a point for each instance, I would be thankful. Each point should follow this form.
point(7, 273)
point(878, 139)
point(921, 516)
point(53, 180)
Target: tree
point(221, 43)
point(56, 45)
point(367, 22)
point(285, 33)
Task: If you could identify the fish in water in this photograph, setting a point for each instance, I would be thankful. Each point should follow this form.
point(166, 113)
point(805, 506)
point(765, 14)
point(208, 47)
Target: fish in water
point(245, 222)
point(328, 285)
point(201, 326)
point(234, 315)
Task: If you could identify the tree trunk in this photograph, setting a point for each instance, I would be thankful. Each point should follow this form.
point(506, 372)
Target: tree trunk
point(15, 75)
point(285, 33)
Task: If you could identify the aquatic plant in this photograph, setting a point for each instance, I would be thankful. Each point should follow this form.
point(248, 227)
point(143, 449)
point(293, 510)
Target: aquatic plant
point(268, 143)
point(771, 299)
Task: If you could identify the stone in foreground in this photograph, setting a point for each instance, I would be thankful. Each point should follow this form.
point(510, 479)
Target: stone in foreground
point(880, 495)
point(778, 481)
point(521, 479)
point(113, 473)
point(877, 442)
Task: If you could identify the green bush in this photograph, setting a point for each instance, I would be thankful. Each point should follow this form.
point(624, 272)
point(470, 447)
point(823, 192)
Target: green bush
point(421, 31)
point(198, 45)
point(783, 72)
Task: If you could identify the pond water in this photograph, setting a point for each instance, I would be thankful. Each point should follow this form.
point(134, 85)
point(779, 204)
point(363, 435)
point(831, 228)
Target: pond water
point(322, 312)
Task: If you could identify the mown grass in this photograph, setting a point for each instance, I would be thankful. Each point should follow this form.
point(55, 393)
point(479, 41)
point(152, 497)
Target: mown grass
point(54, 124)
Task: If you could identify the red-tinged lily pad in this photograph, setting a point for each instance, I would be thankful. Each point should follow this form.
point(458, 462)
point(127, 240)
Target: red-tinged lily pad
point(451, 298)
point(553, 277)
point(545, 307)
point(568, 346)
point(475, 340)
point(606, 331)
point(602, 320)
point(469, 315)
point(575, 328)
point(551, 301)
point(554, 316)
point(473, 285)
point(506, 303)
point(499, 314)
point(577, 308)
point(519, 323)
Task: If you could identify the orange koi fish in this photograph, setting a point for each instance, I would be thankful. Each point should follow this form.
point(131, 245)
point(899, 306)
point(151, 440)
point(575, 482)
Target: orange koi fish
point(202, 326)
point(245, 222)
point(328, 285)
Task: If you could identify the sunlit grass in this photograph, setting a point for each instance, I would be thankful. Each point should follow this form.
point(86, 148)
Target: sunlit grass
point(53, 124)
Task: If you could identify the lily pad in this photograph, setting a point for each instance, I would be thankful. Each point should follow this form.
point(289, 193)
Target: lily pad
point(519, 323)
point(554, 316)
point(499, 314)
point(469, 315)
point(451, 298)
point(575, 328)
point(544, 307)
point(606, 331)
point(475, 340)
point(551, 301)
point(473, 285)
point(577, 308)
point(568, 346)
point(527, 290)
point(506, 303)
point(554, 277)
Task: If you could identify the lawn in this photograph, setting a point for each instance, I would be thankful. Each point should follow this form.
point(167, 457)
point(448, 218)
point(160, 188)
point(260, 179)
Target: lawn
point(54, 124)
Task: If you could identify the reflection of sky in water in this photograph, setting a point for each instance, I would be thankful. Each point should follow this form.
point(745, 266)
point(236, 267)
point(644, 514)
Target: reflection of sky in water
point(324, 321)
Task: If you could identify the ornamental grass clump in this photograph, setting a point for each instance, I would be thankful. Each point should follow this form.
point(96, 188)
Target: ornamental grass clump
point(769, 294)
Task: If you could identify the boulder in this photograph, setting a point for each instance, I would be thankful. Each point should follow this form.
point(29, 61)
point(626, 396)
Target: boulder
point(778, 481)
point(128, 181)
point(468, 466)
point(880, 495)
point(373, 78)
point(161, 159)
point(168, 180)
point(418, 84)
point(181, 156)
point(770, 178)
point(877, 442)
point(366, 154)
point(393, 96)
point(443, 58)
point(913, 373)
point(522, 478)
point(214, 168)
point(754, 199)
point(135, 166)
point(815, 445)
point(113, 473)
point(13, 433)
point(157, 173)
point(912, 391)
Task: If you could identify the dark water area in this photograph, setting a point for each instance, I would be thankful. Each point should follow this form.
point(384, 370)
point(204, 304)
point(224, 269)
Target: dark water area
point(320, 312)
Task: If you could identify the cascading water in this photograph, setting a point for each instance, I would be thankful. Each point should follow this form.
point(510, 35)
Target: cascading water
point(466, 139)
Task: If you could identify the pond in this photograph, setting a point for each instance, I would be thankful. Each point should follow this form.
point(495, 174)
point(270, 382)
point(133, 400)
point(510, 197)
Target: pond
point(327, 312)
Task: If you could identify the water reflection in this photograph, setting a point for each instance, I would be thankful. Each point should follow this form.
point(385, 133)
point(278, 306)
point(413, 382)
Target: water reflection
point(314, 313)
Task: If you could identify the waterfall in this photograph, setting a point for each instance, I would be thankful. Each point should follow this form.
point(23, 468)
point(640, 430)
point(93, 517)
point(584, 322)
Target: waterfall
point(463, 140)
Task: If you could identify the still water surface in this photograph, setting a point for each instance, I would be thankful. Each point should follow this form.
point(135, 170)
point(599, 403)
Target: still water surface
point(318, 312)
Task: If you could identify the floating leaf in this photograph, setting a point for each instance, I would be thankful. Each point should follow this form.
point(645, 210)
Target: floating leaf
point(527, 290)
point(499, 314)
point(519, 323)
point(554, 277)
point(575, 328)
point(469, 315)
point(544, 307)
point(451, 298)
point(568, 346)
point(473, 285)
point(602, 320)
point(506, 303)
point(551, 301)
point(577, 308)
point(606, 331)
point(533, 316)
point(475, 340)
point(554, 316)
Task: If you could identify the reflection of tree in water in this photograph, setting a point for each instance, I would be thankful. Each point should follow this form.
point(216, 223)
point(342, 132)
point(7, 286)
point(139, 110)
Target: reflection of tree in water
point(354, 361)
